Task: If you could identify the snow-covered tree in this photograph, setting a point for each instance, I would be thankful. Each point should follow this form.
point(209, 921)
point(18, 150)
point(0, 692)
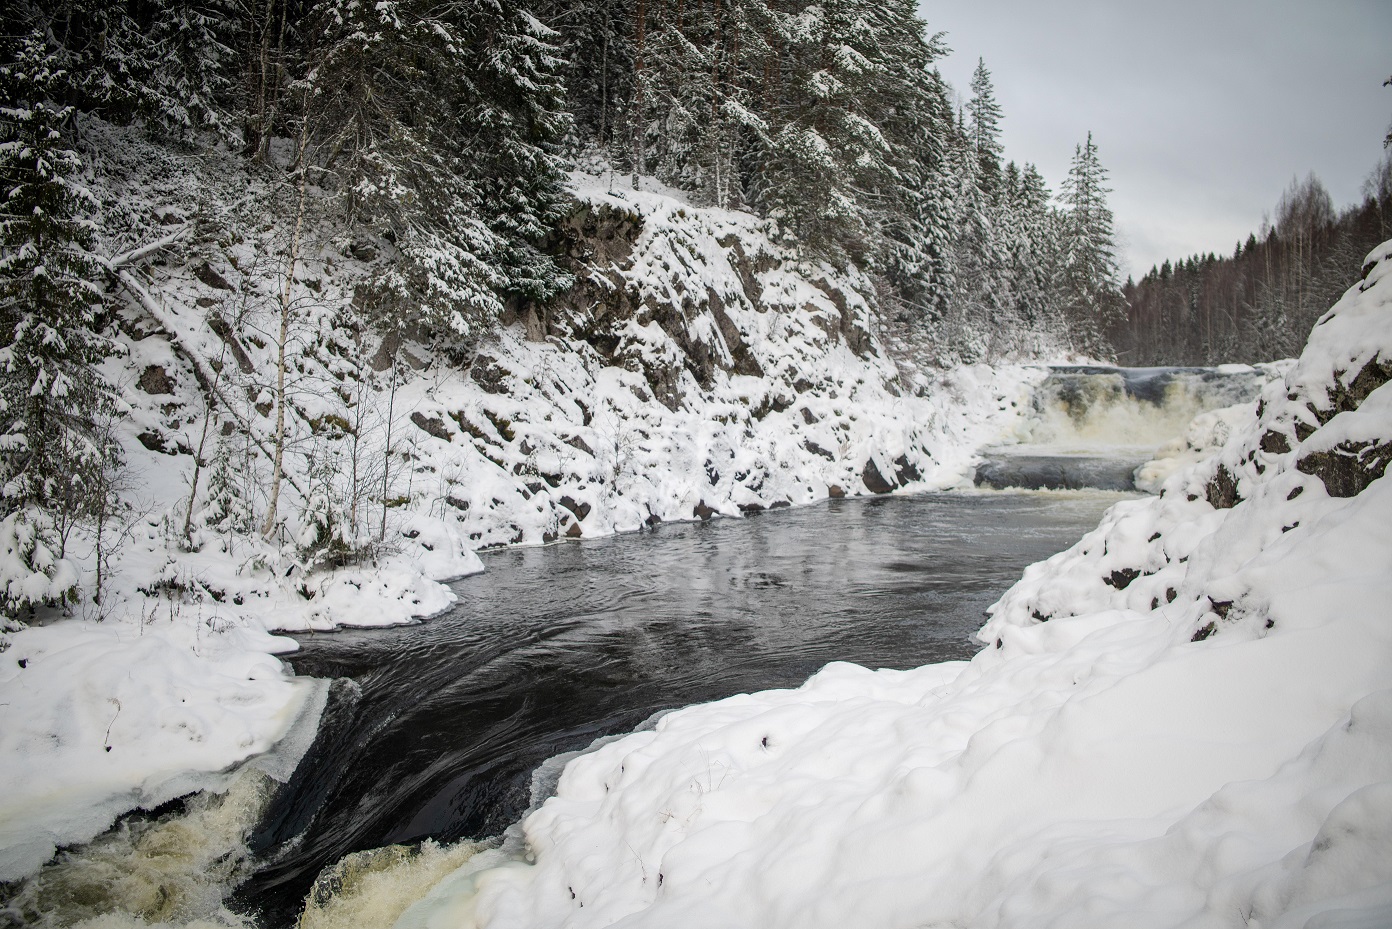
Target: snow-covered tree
point(437, 126)
point(188, 69)
point(983, 129)
point(516, 119)
point(1088, 279)
point(53, 459)
point(920, 227)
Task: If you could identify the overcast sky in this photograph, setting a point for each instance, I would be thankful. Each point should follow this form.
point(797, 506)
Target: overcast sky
point(1202, 111)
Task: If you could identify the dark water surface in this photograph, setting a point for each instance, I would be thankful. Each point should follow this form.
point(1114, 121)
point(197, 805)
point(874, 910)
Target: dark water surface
point(552, 647)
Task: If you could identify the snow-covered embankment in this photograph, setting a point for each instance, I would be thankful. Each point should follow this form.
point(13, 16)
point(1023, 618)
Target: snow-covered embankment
point(1185, 719)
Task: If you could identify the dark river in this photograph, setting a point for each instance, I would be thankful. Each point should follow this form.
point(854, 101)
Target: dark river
point(553, 647)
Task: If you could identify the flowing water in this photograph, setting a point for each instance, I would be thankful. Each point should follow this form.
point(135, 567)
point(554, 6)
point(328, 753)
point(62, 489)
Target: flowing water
point(433, 731)
point(554, 647)
point(1093, 426)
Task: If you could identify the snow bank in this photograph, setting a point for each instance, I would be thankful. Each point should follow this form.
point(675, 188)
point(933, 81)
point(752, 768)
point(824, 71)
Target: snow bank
point(1186, 719)
point(104, 718)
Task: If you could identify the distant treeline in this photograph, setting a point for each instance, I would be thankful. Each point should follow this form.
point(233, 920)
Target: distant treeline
point(1260, 302)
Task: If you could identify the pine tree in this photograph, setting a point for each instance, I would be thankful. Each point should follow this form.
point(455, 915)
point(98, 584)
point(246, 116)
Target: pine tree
point(53, 458)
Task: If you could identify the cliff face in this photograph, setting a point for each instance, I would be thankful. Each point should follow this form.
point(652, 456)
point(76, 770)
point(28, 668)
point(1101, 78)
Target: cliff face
point(695, 368)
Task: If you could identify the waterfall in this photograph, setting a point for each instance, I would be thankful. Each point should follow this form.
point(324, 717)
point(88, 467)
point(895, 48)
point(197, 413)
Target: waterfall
point(1094, 426)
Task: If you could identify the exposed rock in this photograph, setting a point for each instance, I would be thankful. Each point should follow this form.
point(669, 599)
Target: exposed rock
point(153, 441)
point(875, 481)
point(1275, 443)
point(836, 491)
point(602, 233)
point(574, 532)
point(155, 380)
point(581, 510)
point(578, 443)
point(1221, 491)
point(852, 329)
point(489, 374)
point(223, 329)
point(432, 424)
point(386, 351)
point(1349, 467)
point(207, 275)
point(363, 250)
point(1122, 578)
point(905, 472)
point(1344, 397)
point(701, 511)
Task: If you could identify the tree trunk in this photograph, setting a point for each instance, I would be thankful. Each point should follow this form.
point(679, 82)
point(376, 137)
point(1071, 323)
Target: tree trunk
point(279, 445)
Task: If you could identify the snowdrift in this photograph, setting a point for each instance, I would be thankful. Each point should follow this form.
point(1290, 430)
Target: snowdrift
point(1185, 719)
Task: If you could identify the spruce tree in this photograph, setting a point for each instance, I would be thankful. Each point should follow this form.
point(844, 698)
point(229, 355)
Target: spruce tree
point(983, 130)
point(439, 128)
point(517, 122)
point(186, 75)
point(1088, 267)
point(53, 456)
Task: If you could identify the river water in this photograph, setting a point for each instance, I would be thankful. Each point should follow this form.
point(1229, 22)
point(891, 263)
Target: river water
point(553, 647)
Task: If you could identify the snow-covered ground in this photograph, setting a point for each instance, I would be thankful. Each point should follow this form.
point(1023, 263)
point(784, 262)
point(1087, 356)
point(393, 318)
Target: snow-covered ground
point(1185, 719)
point(698, 369)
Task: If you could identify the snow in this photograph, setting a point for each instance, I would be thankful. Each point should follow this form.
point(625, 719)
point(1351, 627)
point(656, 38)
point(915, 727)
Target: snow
point(103, 718)
point(1205, 434)
point(174, 671)
point(1185, 719)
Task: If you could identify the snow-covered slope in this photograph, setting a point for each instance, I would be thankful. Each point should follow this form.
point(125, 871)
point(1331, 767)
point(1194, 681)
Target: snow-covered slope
point(1186, 719)
point(697, 368)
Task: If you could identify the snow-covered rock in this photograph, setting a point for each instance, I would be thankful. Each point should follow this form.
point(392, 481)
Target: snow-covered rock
point(1186, 719)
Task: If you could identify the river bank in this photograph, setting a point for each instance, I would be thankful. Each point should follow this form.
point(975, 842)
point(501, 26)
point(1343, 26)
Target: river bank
point(1185, 719)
